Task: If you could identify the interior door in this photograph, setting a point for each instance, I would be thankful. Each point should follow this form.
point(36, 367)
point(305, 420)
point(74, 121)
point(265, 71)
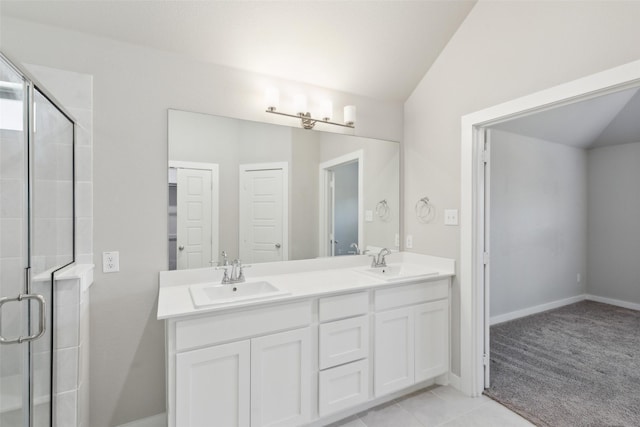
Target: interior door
point(194, 221)
point(485, 142)
point(263, 215)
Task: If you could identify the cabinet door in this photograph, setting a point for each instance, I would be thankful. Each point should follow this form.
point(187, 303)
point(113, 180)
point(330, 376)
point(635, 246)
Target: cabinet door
point(432, 339)
point(212, 386)
point(394, 350)
point(281, 379)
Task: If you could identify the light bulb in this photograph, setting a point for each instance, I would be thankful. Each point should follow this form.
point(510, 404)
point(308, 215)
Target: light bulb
point(326, 110)
point(350, 115)
point(300, 104)
point(271, 98)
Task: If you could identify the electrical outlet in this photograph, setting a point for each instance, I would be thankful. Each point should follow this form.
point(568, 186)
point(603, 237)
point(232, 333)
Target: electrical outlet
point(451, 217)
point(368, 216)
point(409, 241)
point(110, 262)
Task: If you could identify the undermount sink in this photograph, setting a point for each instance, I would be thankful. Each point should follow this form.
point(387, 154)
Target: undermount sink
point(394, 272)
point(206, 294)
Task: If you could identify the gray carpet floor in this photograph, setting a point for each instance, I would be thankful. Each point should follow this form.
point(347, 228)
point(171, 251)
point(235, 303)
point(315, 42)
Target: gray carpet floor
point(576, 366)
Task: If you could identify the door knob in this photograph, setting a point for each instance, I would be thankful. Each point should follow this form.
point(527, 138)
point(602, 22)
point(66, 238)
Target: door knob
point(181, 247)
point(278, 245)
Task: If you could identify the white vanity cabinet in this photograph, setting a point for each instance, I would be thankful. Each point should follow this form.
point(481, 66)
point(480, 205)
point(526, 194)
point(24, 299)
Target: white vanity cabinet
point(308, 360)
point(343, 352)
point(411, 335)
point(249, 368)
point(212, 383)
point(281, 379)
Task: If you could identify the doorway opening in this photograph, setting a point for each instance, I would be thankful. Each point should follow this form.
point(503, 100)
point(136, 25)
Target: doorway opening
point(341, 205)
point(475, 256)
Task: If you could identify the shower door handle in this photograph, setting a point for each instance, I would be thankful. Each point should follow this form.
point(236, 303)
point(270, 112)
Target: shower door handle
point(42, 326)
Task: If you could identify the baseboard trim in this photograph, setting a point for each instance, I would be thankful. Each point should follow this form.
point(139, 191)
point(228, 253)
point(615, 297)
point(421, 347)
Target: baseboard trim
point(616, 302)
point(159, 420)
point(535, 309)
point(455, 381)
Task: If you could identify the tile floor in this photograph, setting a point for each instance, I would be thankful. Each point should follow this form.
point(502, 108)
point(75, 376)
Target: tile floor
point(437, 406)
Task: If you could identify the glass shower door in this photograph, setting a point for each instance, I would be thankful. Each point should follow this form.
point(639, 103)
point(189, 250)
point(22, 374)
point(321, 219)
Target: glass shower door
point(36, 240)
point(15, 328)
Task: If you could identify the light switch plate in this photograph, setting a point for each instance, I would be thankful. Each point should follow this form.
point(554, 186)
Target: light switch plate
point(110, 262)
point(368, 216)
point(451, 217)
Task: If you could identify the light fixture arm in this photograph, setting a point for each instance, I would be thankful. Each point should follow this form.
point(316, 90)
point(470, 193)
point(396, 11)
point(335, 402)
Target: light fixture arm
point(308, 122)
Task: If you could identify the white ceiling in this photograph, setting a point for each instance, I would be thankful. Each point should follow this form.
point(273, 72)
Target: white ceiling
point(379, 49)
point(611, 119)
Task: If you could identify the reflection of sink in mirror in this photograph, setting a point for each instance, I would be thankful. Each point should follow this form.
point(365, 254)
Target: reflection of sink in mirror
point(399, 272)
point(205, 294)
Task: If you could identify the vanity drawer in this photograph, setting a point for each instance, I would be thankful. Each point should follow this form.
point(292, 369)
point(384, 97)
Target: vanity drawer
point(344, 341)
point(411, 294)
point(343, 387)
point(218, 328)
point(341, 306)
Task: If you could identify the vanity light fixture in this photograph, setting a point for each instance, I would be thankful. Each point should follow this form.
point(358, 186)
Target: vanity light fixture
point(272, 99)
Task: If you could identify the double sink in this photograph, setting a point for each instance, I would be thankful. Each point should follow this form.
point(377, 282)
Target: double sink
point(210, 294)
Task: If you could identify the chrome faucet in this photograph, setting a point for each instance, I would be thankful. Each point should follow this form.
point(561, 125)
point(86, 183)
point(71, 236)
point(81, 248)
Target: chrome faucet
point(237, 272)
point(379, 260)
point(355, 246)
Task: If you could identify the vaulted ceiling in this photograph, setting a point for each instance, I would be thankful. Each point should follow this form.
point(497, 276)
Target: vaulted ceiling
point(610, 119)
point(379, 49)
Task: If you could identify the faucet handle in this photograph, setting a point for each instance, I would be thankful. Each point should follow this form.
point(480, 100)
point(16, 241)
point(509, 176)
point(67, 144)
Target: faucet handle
point(374, 261)
point(225, 275)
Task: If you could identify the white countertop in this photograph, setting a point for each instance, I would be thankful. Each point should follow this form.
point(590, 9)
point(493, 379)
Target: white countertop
point(301, 279)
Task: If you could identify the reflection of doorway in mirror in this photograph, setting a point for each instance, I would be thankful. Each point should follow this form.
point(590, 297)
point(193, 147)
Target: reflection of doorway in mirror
point(264, 208)
point(193, 214)
point(341, 204)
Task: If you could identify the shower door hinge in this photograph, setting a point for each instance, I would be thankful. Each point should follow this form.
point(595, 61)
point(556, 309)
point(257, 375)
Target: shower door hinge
point(485, 257)
point(485, 359)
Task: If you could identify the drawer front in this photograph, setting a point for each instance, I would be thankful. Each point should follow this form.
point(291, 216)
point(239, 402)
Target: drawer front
point(341, 306)
point(343, 387)
point(411, 294)
point(344, 341)
point(217, 328)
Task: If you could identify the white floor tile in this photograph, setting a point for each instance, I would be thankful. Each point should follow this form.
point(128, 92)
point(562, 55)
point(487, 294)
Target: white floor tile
point(353, 421)
point(490, 414)
point(389, 415)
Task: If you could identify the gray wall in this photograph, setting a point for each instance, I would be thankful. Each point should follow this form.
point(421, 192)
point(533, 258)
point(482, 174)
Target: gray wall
point(133, 88)
point(538, 206)
point(614, 222)
point(503, 50)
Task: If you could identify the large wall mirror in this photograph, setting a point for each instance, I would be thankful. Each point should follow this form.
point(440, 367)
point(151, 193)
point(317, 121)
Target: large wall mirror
point(263, 192)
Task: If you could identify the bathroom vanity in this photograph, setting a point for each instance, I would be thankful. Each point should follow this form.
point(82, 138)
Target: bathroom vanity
point(335, 338)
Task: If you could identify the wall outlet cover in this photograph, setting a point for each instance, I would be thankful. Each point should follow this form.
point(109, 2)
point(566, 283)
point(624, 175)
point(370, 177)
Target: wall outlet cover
point(409, 242)
point(110, 262)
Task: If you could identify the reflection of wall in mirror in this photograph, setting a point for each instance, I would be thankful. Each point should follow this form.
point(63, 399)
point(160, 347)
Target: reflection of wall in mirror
point(381, 182)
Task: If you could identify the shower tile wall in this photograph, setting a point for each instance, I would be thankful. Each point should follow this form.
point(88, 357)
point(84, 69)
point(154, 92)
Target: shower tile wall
point(74, 92)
